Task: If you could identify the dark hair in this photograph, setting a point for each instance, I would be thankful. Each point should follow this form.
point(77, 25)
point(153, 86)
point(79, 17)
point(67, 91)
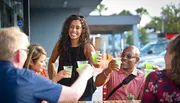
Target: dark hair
point(65, 43)
point(174, 72)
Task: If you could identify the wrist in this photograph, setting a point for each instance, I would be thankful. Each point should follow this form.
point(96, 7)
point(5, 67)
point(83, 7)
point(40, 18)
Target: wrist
point(54, 79)
point(106, 72)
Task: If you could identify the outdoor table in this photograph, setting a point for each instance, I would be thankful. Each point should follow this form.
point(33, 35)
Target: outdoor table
point(111, 101)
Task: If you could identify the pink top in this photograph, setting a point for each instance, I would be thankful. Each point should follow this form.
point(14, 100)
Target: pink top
point(135, 86)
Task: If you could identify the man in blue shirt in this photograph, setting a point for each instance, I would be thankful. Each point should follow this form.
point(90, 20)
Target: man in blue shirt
point(19, 85)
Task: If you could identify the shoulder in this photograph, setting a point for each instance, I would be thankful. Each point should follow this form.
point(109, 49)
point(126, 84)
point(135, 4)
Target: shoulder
point(88, 45)
point(29, 76)
point(25, 74)
point(39, 85)
point(156, 75)
point(57, 43)
point(88, 48)
point(140, 73)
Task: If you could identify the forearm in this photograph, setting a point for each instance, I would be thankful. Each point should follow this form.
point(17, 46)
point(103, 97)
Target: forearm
point(74, 92)
point(51, 70)
point(56, 78)
point(102, 78)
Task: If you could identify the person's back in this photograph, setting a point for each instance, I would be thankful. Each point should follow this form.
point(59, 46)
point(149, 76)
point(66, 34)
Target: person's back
point(18, 85)
point(25, 84)
point(7, 94)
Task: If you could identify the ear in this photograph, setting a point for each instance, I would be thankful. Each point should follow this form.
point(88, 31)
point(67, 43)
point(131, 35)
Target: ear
point(137, 59)
point(18, 56)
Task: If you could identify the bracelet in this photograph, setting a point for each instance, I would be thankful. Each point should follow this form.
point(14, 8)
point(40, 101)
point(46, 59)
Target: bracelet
point(105, 73)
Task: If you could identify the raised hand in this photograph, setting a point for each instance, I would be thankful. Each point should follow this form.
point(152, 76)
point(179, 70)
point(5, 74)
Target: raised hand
point(86, 72)
point(113, 66)
point(60, 75)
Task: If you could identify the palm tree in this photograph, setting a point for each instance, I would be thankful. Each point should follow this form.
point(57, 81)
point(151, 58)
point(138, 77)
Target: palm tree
point(143, 34)
point(141, 11)
point(100, 8)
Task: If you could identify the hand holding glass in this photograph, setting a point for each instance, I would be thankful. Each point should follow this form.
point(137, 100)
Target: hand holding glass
point(82, 64)
point(68, 68)
point(149, 65)
point(95, 55)
point(118, 61)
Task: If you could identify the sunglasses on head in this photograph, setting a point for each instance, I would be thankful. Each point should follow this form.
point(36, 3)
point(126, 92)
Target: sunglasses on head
point(77, 16)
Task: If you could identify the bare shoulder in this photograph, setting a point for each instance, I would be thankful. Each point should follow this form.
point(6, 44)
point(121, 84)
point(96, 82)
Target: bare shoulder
point(88, 46)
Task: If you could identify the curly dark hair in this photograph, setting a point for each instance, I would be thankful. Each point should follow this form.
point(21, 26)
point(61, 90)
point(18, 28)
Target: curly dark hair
point(174, 72)
point(65, 42)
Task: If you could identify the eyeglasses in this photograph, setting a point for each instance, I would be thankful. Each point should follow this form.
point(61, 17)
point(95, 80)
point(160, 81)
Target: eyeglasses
point(26, 50)
point(129, 56)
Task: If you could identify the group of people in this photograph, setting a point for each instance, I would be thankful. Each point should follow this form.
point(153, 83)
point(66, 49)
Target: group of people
point(24, 79)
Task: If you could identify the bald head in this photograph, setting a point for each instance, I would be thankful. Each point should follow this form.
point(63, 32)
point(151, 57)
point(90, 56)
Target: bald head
point(134, 49)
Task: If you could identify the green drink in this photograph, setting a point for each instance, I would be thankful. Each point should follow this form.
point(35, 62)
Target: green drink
point(149, 65)
point(95, 55)
point(81, 64)
point(118, 61)
point(68, 68)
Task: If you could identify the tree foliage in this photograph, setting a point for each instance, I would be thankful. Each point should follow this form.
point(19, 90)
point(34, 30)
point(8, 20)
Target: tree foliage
point(100, 8)
point(141, 11)
point(143, 36)
point(125, 12)
point(130, 38)
point(171, 14)
point(142, 31)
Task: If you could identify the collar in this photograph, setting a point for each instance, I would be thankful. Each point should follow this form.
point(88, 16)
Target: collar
point(134, 72)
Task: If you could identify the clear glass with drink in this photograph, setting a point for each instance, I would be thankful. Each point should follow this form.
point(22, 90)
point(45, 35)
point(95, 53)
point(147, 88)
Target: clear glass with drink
point(68, 68)
point(82, 64)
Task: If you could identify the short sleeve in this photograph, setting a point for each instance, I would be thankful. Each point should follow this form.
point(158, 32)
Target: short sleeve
point(33, 87)
point(46, 89)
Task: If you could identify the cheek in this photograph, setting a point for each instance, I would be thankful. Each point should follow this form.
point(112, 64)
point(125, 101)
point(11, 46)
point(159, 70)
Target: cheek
point(69, 31)
point(79, 32)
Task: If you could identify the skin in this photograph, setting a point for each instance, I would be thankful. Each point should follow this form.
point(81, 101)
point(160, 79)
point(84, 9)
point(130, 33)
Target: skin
point(39, 64)
point(128, 65)
point(73, 93)
point(75, 31)
point(168, 58)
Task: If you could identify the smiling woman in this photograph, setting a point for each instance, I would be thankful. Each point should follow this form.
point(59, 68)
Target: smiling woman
point(74, 45)
point(36, 59)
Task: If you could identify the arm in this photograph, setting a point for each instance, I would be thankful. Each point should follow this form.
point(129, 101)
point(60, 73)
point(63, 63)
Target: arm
point(60, 75)
point(74, 92)
point(44, 89)
point(88, 48)
point(52, 60)
point(104, 76)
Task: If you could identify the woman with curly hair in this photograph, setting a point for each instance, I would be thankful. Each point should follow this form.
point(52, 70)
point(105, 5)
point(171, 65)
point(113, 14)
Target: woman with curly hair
point(163, 86)
point(74, 45)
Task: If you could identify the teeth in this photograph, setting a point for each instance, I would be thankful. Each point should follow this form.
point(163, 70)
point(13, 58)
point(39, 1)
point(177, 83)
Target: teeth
point(73, 33)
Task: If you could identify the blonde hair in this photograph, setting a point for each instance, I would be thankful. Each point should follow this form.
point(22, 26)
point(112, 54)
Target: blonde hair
point(11, 39)
point(35, 51)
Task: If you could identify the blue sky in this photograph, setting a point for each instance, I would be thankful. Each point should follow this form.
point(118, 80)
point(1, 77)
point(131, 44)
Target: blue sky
point(152, 6)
